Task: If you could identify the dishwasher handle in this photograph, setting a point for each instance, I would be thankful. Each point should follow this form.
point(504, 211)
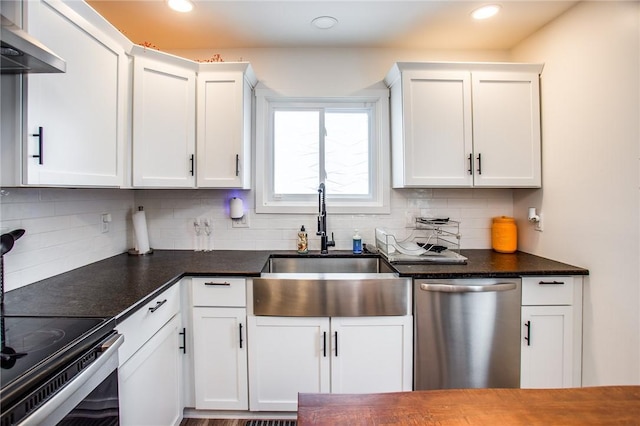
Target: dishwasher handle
point(455, 288)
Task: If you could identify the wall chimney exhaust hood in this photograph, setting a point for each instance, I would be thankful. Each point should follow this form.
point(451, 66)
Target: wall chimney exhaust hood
point(20, 53)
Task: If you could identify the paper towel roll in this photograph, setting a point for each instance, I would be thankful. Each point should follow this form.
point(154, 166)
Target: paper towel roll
point(140, 228)
point(236, 208)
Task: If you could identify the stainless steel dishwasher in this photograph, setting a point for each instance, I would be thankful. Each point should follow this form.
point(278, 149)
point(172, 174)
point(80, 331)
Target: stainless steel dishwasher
point(467, 333)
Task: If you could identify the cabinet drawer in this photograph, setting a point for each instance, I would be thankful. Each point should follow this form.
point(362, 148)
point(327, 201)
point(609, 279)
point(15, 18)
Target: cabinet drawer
point(219, 291)
point(147, 320)
point(548, 290)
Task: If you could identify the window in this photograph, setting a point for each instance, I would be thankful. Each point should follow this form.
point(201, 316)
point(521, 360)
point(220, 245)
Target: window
point(342, 143)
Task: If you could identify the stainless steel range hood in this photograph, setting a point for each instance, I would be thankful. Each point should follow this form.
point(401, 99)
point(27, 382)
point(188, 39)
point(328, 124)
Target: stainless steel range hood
point(22, 54)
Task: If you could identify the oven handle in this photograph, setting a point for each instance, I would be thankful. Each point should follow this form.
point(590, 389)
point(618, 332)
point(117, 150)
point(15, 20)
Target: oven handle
point(77, 389)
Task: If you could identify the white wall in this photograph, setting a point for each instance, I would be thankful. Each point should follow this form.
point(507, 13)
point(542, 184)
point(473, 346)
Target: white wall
point(590, 201)
point(62, 230)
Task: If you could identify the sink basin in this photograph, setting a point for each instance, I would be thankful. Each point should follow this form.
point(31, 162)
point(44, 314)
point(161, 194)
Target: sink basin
point(350, 264)
point(330, 287)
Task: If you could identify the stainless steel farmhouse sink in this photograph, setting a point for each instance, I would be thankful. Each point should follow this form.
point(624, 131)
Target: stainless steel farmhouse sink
point(330, 287)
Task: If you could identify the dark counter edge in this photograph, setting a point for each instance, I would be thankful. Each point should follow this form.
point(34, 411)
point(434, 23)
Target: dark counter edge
point(119, 285)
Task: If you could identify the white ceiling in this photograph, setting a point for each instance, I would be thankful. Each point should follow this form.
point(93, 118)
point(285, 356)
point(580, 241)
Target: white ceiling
point(416, 24)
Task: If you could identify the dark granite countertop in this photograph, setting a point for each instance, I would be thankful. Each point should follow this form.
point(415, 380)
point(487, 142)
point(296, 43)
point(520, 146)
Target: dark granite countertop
point(488, 264)
point(110, 287)
point(113, 286)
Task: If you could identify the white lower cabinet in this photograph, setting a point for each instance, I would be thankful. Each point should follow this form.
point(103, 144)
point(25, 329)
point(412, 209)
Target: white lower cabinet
point(316, 355)
point(220, 349)
point(551, 332)
point(150, 371)
point(220, 343)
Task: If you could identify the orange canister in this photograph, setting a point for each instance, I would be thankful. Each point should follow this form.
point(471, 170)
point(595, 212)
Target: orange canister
point(504, 234)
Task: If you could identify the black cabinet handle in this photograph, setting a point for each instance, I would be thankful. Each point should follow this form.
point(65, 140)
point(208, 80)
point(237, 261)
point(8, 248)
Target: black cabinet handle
point(183, 333)
point(324, 344)
point(479, 164)
point(528, 336)
point(237, 164)
point(470, 169)
point(554, 282)
point(212, 283)
point(240, 335)
point(192, 160)
point(158, 304)
point(40, 136)
point(336, 334)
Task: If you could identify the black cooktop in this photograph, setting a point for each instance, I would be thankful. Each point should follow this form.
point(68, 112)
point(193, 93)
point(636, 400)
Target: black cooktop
point(33, 347)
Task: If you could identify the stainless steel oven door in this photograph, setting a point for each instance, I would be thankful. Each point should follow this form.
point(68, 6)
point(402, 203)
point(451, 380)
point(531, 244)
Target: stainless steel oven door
point(96, 378)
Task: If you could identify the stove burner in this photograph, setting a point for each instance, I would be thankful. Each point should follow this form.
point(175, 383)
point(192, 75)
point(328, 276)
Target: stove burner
point(38, 339)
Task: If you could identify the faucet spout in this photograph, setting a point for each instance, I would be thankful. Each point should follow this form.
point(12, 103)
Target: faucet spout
point(325, 243)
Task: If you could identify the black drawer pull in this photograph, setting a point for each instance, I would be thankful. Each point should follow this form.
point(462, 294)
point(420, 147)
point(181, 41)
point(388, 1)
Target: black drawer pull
point(528, 336)
point(224, 284)
point(183, 333)
point(158, 304)
point(240, 335)
point(551, 283)
point(324, 344)
point(40, 136)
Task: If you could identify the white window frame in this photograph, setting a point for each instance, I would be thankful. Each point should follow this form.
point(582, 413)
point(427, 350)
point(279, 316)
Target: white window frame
point(378, 203)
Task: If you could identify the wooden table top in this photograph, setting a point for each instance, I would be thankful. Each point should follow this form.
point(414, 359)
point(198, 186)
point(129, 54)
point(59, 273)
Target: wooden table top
point(575, 406)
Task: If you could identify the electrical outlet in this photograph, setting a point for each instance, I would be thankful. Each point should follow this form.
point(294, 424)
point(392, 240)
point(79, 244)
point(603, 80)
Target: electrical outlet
point(105, 219)
point(243, 222)
point(538, 225)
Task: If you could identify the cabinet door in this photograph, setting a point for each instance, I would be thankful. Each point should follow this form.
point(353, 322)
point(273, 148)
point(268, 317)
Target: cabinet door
point(163, 124)
point(506, 129)
point(220, 358)
point(287, 356)
point(437, 128)
point(547, 347)
point(149, 382)
point(80, 112)
point(371, 354)
point(224, 130)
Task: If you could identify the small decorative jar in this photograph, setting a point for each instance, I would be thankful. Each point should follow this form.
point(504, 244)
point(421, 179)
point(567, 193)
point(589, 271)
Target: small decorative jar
point(504, 234)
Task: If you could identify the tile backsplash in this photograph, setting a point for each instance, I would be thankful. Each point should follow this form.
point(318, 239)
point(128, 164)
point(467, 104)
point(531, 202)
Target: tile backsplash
point(170, 216)
point(64, 228)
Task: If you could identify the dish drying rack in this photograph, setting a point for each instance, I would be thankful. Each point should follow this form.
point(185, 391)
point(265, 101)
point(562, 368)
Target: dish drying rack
point(446, 232)
point(432, 240)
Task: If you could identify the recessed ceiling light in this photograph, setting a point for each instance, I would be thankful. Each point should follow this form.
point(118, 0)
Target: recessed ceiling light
point(180, 5)
point(486, 11)
point(324, 22)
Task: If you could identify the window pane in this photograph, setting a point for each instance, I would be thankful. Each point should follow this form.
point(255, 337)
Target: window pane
point(347, 152)
point(296, 152)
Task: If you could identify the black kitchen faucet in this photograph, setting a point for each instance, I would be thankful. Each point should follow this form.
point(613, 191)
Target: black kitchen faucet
point(325, 243)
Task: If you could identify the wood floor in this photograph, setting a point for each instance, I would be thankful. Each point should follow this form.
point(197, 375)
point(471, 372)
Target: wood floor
point(213, 422)
point(231, 422)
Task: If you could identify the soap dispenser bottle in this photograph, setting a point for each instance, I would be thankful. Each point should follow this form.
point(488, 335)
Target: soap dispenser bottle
point(357, 243)
point(303, 246)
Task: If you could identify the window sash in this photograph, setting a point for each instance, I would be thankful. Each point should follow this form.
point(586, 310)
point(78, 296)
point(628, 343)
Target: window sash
point(375, 102)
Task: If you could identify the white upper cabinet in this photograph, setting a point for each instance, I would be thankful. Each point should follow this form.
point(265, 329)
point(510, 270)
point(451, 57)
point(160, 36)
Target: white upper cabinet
point(164, 123)
point(171, 95)
point(506, 129)
point(464, 125)
point(77, 116)
point(224, 126)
